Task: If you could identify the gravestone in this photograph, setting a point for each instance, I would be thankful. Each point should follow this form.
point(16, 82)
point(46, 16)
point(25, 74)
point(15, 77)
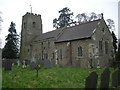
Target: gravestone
point(7, 65)
point(27, 62)
point(116, 78)
point(91, 80)
point(32, 65)
point(47, 64)
point(23, 64)
point(105, 77)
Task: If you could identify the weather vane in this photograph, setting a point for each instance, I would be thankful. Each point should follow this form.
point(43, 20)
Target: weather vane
point(31, 8)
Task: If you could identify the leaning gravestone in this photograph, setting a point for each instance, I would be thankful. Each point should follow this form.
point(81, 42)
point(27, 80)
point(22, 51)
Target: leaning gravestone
point(47, 64)
point(116, 78)
point(32, 65)
point(105, 77)
point(91, 80)
point(7, 65)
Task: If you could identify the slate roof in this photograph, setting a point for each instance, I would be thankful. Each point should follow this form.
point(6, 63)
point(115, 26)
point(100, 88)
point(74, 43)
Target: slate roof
point(49, 35)
point(81, 31)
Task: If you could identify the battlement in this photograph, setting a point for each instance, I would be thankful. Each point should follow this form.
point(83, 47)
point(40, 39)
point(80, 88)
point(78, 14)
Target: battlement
point(29, 14)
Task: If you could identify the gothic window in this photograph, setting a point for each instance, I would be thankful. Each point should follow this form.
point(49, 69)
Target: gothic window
point(106, 47)
point(34, 24)
point(45, 56)
point(100, 47)
point(59, 52)
point(79, 51)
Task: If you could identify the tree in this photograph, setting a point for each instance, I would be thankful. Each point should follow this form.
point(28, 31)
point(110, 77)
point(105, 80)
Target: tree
point(114, 41)
point(64, 19)
point(111, 23)
point(118, 53)
point(84, 17)
point(10, 50)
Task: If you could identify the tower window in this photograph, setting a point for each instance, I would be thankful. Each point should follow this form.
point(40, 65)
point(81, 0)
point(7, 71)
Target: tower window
point(34, 24)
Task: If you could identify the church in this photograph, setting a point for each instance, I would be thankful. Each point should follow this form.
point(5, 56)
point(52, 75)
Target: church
point(85, 45)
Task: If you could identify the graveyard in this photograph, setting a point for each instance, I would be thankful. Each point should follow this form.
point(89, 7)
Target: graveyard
point(53, 77)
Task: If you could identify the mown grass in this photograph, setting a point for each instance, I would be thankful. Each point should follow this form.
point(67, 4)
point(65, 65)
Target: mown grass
point(55, 77)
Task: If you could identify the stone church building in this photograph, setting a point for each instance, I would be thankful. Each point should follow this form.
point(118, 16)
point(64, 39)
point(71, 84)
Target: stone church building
point(85, 45)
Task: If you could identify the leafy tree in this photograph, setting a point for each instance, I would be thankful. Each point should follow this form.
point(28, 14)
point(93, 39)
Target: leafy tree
point(114, 41)
point(10, 50)
point(64, 19)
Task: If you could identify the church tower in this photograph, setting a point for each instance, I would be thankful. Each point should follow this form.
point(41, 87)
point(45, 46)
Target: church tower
point(31, 28)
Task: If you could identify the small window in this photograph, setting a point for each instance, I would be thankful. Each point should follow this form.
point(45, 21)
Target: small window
point(80, 51)
point(103, 30)
point(24, 25)
point(34, 24)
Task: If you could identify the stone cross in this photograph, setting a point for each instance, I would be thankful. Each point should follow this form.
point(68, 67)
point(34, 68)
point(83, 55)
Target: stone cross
point(37, 68)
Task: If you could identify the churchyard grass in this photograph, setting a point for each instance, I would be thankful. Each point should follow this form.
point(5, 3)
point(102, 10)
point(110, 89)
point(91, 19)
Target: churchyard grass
point(55, 77)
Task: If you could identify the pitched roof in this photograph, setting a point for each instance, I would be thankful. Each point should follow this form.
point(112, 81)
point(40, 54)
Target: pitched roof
point(49, 35)
point(81, 31)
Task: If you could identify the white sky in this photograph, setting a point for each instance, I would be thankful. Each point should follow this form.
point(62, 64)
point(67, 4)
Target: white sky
point(13, 10)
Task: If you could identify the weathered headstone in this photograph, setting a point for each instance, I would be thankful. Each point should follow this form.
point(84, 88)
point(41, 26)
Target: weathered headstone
point(47, 64)
point(24, 64)
point(32, 65)
point(18, 63)
point(116, 78)
point(91, 80)
point(105, 78)
point(7, 65)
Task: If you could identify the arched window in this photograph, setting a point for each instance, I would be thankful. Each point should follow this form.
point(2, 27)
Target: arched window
point(79, 51)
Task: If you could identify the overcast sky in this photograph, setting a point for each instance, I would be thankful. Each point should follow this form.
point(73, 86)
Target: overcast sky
point(13, 10)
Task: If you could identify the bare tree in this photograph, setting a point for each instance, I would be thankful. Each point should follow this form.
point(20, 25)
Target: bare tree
point(93, 16)
point(111, 23)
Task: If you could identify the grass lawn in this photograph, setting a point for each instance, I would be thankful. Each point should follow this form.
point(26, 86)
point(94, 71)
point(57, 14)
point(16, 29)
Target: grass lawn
point(55, 77)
